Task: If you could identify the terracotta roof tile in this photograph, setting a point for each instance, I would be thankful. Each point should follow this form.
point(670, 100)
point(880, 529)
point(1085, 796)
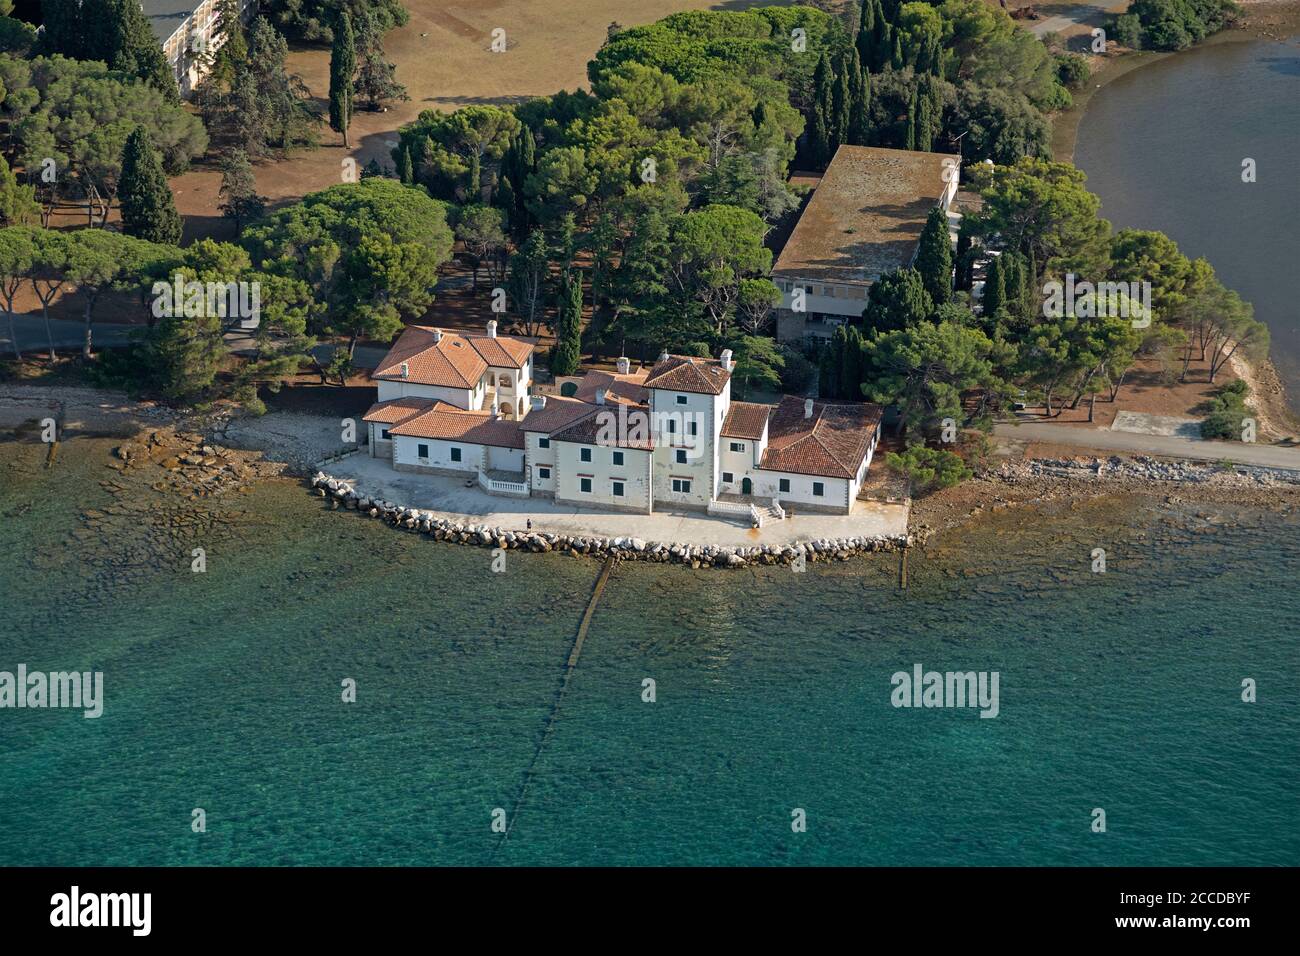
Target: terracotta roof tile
point(629, 389)
point(687, 373)
point(400, 409)
point(627, 425)
point(558, 413)
point(831, 444)
point(449, 360)
point(449, 422)
point(745, 420)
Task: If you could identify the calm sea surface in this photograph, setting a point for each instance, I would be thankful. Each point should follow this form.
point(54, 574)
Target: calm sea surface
point(1118, 691)
point(1163, 146)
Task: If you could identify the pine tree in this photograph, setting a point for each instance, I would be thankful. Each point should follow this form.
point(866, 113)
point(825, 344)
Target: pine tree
point(934, 257)
point(136, 50)
point(343, 69)
point(148, 207)
point(376, 81)
point(239, 199)
point(230, 42)
point(18, 205)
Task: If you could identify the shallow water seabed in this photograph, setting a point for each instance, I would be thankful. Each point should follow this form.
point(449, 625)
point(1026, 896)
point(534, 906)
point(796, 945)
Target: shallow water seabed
point(222, 690)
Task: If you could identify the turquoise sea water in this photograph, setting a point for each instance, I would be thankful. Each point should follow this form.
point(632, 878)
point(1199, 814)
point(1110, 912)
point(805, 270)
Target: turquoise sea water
point(1163, 147)
point(1118, 690)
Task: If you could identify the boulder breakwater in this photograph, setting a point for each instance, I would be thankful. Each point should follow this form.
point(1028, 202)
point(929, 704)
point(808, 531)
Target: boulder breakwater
point(342, 494)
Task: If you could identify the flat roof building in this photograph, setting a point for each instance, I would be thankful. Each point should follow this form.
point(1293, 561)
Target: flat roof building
point(864, 219)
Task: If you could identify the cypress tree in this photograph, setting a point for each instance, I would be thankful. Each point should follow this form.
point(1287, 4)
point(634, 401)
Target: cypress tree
point(866, 29)
point(924, 124)
point(881, 40)
point(343, 70)
point(404, 165)
point(475, 179)
point(859, 100)
point(842, 103)
point(819, 123)
point(995, 296)
point(148, 207)
point(934, 257)
point(909, 137)
point(965, 256)
point(851, 365)
point(567, 354)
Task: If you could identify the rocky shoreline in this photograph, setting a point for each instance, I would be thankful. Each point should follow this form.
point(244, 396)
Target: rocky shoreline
point(1042, 482)
point(342, 495)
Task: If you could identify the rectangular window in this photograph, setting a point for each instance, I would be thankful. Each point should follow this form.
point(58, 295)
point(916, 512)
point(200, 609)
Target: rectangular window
point(618, 489)
point(422, 451)
point(584, 454)
point(618, 458)
point(785, 484)
point(693, 427)
point(543, 443)
point(681, 399)
point(737, 446)
point(682, 485)
point(819, 489)
point(544, 473)
point(672, 426)
point(728, 478)
point(584, 485)
point(681, 456)
point(455, 454)
point(383, 433)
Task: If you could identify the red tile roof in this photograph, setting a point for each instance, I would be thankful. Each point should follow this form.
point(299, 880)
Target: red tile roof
point(616, 426)
point(687, 373)
point(474, 428)
point(449, 360)
point(745, 420)
point(558, 413)
point(830, 444)
point(629, 389)
point(400, 409)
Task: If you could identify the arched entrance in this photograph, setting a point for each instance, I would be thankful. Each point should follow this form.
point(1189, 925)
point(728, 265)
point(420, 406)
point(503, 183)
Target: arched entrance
point(746, 487)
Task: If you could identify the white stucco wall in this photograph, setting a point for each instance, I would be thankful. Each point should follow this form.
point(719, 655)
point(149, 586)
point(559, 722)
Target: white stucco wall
point(634, 473)
point(701, 460)
point(460, 397)
point(406, 449)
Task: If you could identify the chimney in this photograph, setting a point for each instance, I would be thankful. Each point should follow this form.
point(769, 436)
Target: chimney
point(807, 408)
point(624, 365)
point(539, 402)
point(663, 356)
point(725, 358)
point(600, 396)
point(496, 411)
point(437, 336)
point(492, 328)
point(406, 370)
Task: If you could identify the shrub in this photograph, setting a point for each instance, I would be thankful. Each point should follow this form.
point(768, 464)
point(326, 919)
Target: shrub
point(929, 468)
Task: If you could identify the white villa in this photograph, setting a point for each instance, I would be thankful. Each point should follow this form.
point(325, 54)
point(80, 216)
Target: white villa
point(663, 437)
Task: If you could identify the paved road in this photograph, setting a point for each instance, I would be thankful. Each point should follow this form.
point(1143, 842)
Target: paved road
point(1102, 439)
point(1067, 18)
